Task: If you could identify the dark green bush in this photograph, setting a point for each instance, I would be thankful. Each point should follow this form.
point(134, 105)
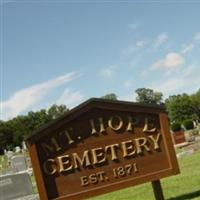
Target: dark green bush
point(188, 124)
point(176, 126)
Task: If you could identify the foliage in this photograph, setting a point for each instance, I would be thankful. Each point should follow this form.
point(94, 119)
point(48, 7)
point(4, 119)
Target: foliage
point(6, 136)
point(146, 95)
point(176, 126)
point(110, 96)
point(195, 98)
point(12, 132)
point(180, 108)
point(56, 111)
point(188, 124)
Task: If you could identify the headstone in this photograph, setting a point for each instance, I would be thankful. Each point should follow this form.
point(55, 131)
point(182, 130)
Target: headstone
point(17, 149)
point(24, 146)
point(6, 168)
point(179, 137)
point(18, 163)
point(28, 161)
point(15, 186)
point(189, 136)
point(7, 171)
point(9, 154)
point(4, 151)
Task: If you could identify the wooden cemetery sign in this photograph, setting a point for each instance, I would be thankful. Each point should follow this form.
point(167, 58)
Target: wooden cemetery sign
point(101, 146)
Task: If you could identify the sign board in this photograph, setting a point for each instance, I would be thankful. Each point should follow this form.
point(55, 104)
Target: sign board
point(101, 146)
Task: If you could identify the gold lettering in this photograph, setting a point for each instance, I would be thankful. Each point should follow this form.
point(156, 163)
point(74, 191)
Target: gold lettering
point(47, 148)
point(93, 178)
point(57, 147)
point(141, 142)
point(84, 181)
point(46, 166)
point(101, 176)
point(70, 140)
point(64, 163)
point(98, 154)
point(81, 161)
point(101, 125)
point(155, 140)
point(149, 125)
point(127, 148)
point(135, 167)
point(115, 127)
point(113, 149)
point(131, 123)
point(54, 146)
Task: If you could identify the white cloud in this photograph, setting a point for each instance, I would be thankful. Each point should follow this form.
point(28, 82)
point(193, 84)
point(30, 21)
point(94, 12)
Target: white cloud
point(70, 98)
point(130, 98)
point(169, 86)
point(29, 97)
point(133, 26)
point(187, 48)
point(190, 71)
point(107, 72)
point(186, 80)
point(141, 43)
point(171, 61)
point(138, 45)
point(197, 36)
point(161, 39)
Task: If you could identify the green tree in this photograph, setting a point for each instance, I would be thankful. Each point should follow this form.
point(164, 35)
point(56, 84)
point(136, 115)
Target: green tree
point(18, 130)
point(12, 132)
point(195, 98)
point(6, 136)
point(146, 95)
point(56, 111)
point(110, 96)
point(180, 108)
point(36, 119)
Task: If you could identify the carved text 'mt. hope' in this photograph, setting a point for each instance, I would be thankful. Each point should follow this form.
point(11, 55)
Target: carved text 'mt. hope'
point(99, 126)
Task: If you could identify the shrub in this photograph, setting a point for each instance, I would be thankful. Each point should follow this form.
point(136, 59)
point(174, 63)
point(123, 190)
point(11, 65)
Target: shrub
point(176, 126)
point(188, 124)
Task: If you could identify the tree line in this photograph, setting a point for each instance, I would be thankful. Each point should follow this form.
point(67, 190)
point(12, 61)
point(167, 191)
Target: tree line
point(13, 132)
point(179, 107)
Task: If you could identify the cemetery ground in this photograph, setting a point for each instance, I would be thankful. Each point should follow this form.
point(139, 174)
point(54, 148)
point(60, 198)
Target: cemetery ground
point(185, 186)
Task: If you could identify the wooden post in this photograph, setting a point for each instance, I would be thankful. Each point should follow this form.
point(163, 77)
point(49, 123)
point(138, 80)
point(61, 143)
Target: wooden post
point(157, 189)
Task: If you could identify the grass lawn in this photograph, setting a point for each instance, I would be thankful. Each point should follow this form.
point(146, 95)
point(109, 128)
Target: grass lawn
point(185, 186)
point(3, 162)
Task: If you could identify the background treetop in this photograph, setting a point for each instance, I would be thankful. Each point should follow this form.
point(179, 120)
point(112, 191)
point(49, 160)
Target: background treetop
point(147, 95)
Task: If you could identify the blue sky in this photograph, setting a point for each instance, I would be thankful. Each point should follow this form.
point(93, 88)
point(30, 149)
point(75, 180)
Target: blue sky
point(65, 52)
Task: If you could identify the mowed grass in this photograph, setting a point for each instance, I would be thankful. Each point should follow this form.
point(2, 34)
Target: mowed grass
point(185, 186)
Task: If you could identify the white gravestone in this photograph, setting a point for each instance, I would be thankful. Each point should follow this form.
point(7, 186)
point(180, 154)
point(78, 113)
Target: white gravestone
point(15, 186)
point(18, 163)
